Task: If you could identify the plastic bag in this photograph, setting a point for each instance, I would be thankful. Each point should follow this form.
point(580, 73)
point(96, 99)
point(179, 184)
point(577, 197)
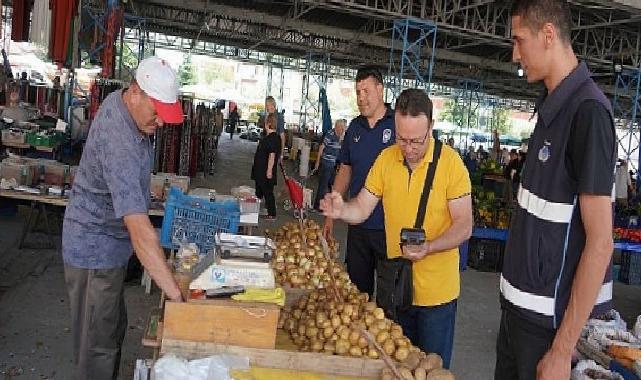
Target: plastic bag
point(637, 327)
point(613, 322)
point(586, 369)
point(170, 367)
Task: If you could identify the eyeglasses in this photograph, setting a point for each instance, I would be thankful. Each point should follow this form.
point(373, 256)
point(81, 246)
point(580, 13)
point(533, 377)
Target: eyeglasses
point(412, 142)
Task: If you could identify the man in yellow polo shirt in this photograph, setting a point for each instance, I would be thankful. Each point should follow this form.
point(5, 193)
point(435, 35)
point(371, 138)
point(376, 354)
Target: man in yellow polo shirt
point(397, 178)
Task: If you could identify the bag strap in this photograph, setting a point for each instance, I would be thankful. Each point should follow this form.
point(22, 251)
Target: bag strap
point(427, 187)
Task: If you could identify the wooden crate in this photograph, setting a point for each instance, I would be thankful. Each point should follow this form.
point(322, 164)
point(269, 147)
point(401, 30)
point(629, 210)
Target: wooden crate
point(275, 358)
point(222, 321)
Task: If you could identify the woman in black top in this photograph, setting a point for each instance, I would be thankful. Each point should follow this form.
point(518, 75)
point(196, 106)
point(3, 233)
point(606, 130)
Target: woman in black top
point(264, 168)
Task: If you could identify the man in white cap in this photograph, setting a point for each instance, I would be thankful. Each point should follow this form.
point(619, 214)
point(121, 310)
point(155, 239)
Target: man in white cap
point(107, 217)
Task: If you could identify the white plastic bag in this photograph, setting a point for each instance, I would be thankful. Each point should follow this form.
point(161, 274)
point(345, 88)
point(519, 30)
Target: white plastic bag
point(637, 328)
point(217, 367)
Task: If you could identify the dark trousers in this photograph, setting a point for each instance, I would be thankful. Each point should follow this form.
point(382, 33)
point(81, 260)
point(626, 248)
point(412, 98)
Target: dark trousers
point(519, 347)
point(326, 176)
point(431, 328)
point(364, 248)
point(98, 320)
point(265, 190)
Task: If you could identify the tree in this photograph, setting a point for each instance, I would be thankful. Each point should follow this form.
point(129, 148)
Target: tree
point(457, 113)
point(186, 71)
point(501, 120)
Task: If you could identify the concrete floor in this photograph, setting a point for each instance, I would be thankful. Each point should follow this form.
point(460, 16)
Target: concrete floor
point(35, 341)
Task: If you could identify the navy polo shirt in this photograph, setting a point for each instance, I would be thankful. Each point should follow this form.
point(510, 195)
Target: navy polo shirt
point(359, 150)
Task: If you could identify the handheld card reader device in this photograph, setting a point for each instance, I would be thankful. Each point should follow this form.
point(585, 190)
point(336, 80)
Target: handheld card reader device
point(412, 236)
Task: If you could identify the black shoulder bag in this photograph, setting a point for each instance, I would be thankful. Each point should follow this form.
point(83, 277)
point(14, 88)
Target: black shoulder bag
point(394, 285)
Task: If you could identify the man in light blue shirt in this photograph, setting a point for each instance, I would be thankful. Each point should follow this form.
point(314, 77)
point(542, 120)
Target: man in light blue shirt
point(326, 161)
point(107, 217)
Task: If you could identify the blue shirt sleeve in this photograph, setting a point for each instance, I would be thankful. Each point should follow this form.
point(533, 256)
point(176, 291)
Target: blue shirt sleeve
point(343, 155)
point(121, 172)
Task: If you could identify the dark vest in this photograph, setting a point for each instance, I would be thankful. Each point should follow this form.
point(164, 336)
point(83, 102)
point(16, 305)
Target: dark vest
point(546, 236)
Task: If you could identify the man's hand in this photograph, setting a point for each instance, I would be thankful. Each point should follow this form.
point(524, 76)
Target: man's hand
point(176, 298)
point(554, 365)
point(328, 229)
point(269, 175)
point(416, 252)
point(332, 205)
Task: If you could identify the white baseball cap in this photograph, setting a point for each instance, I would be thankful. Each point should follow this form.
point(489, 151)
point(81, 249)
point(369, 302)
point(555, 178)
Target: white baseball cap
point(156, 78)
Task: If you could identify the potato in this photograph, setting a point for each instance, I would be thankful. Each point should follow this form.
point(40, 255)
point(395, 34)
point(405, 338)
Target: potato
point(382, 336)
point(329, 348)
point(402, 342)
point(317, 346)
point(372, 353)
point(342, 346)
point(401, 354)
point(412, 361)
point(369, 307)
point(336, 321)
point(354, 335)
point(311, 332)
point(355, 351)
point(328, 332)
point(344, 332)
point(440, 374)
point(420, 374)
point(406, 374)
point(362, 342)
point(432, 361)
point(389, 347)
point(379, 313)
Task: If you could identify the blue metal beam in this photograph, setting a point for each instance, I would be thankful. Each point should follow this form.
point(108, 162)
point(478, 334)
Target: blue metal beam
point(626, 105)
point(415, 41)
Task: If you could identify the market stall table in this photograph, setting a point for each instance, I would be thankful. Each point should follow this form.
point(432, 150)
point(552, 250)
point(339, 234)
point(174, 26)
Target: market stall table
point(42, 204)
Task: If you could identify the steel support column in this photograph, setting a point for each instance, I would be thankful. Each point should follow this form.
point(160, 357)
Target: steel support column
point(415, 40)
point(314, 79)
point(468, 98)
point(626, 105)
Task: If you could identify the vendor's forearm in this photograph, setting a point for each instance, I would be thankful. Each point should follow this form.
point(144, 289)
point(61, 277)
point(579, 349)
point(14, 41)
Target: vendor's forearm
point(147, 247)
point(585, 288)
point(588, 279)
point(458, 232)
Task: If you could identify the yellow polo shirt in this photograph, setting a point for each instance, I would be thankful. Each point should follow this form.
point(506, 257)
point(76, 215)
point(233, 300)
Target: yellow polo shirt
point(436, 276)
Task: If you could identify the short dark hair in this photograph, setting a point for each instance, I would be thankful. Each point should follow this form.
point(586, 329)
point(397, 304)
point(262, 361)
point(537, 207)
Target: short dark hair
point(535, 13)
point(365, 72)
point(414, 102)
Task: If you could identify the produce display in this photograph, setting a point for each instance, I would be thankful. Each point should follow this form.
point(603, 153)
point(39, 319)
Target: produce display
point(299, 260)
point(632, 235)
point(334, 317)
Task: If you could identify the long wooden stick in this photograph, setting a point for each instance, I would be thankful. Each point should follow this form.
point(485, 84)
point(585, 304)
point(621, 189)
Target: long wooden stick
point(386, 358)
point(334, 284)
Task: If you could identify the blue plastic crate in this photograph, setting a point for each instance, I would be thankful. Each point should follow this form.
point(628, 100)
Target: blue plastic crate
point(196, 220)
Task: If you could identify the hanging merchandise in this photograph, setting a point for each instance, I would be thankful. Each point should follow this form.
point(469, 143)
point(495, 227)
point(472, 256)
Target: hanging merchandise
point(63, 13)
point(20, 20)
point(99, 90)
point(40, 24)
point(189, 148)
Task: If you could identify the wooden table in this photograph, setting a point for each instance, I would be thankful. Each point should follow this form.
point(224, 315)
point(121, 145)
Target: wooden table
point(40, 202)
